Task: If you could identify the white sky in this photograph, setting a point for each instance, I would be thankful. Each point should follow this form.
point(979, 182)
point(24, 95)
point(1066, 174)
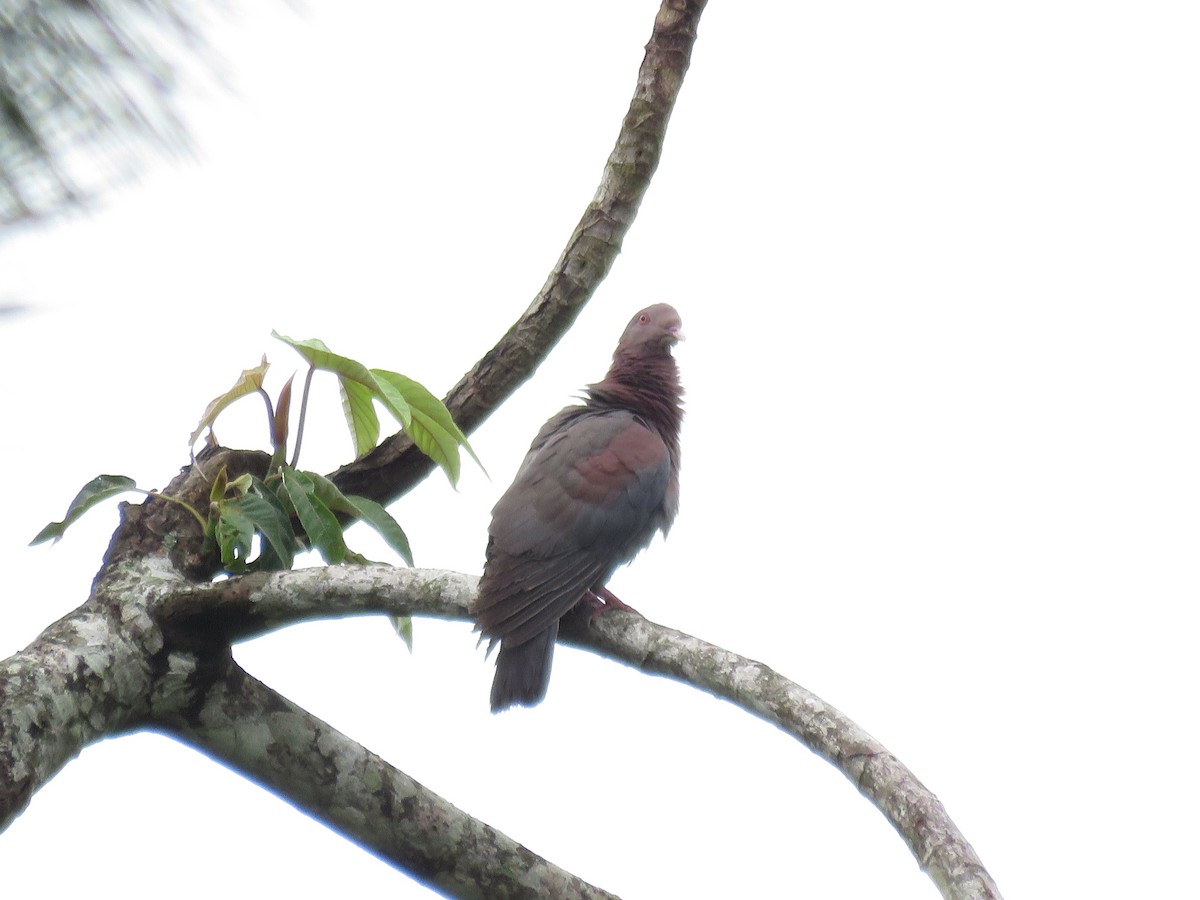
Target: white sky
point(937, 264)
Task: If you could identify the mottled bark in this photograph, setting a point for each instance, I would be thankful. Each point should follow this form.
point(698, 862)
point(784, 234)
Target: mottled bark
point(150, 647)
point(92, 674)
point(312, 765)
point(915, 812)
point(159, 525)
point(139, 654)
point(128, 659)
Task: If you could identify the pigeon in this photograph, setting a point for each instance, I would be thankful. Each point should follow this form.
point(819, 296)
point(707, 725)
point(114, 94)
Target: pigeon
point(597, 483)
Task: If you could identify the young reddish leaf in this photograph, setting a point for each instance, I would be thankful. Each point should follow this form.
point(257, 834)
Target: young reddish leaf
point(279, 428)
point(95, 491)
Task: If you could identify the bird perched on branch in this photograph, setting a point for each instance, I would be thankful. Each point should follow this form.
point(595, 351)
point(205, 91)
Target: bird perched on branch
point(597, 482)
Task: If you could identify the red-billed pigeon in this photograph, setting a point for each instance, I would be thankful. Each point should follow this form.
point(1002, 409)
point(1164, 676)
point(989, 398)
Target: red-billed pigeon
point(597, 482)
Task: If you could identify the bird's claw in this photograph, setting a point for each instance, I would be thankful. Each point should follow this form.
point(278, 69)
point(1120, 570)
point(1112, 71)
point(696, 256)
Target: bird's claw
point(604, 600)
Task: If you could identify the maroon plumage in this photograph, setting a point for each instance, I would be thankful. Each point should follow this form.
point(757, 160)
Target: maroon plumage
point(597, 482)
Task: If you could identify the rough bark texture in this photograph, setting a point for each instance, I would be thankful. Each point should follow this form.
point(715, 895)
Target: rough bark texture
point(150, 646)
point(913, 809)
point(159, 526)
point(127, 659)
point(90, 675)
point(137, 655)
point(108, 668)
point(395, 465)
point(272, 741)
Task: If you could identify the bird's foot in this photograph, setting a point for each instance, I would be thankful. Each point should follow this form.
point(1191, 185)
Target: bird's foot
point(604, 600)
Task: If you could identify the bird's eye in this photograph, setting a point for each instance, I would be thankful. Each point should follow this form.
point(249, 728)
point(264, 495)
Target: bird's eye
point(643, 319)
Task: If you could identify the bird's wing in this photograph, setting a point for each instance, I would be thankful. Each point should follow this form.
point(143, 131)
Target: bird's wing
point(588, 496)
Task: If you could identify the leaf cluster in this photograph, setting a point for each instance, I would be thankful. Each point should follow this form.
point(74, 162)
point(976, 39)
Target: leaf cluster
point(289, 508)
point(272, 507)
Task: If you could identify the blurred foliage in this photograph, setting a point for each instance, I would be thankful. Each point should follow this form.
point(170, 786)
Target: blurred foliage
point(86, 90)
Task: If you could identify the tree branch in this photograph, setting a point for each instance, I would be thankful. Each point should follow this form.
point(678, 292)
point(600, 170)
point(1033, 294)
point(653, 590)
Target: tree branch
point(92, 674)
point(913, 810)
point(396, 465)
point(248, 606)
point(110, 667)
point(291, 752)
point(176, 666)
point(147, 648)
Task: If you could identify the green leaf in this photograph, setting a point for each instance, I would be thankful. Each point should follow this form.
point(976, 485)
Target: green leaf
point(220, 481)
point(364, 509)
point(317, 355)
point(319, 523)
point(381, 520)
point(404, 628)
point(432, 429)
point(270, 521)
point(269, 559)
point(351, 371)
point(95, 491)
point(235, 537)
point(248, 382)
point(359, 406)
point(421, 414)
point(328, 492)
point(394, 402)
point(240, 486)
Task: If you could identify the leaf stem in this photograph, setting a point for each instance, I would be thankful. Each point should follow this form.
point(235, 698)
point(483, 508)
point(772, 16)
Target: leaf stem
point(270, 409)
point(303, 414)
point(176, 500)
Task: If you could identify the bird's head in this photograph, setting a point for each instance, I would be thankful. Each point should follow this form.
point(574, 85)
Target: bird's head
point(652, 332)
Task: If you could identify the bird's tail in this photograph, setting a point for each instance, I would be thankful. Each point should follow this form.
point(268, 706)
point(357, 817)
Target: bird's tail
point(523, 671)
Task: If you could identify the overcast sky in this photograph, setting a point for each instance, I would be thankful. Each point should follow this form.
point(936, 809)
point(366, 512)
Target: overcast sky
point(937, 266)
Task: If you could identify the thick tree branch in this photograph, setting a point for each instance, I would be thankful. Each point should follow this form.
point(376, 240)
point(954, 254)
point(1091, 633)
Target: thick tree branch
point(396, 465)
point(109, 668)
point(147, 528)
point(249, 606)
point(245, 607)
point(92, 674)
point(914, 811)
point(150, 649)
point(173, 675)
point(312, 765)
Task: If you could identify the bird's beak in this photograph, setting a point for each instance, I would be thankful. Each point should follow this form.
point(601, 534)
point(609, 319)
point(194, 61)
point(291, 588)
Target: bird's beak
point(676, 332)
